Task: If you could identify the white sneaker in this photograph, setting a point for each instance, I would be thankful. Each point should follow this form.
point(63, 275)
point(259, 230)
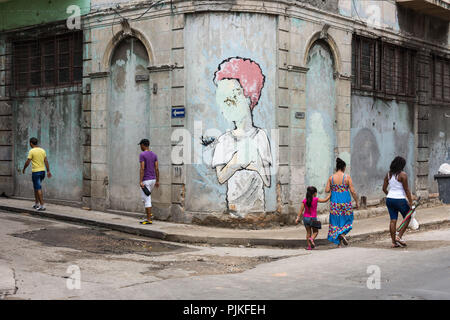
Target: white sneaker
point(36, 205)
point(41, 208)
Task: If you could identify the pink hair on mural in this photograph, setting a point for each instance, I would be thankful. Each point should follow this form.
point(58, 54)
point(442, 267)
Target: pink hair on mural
point(247, 72)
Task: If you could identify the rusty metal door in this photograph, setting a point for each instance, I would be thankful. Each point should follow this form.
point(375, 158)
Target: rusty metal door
point(128, 123)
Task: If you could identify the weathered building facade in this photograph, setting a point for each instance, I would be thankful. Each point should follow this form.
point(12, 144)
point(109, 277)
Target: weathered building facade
point(362, 80)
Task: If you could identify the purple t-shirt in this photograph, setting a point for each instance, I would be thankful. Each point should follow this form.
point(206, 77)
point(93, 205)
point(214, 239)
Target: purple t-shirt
point(149, 158)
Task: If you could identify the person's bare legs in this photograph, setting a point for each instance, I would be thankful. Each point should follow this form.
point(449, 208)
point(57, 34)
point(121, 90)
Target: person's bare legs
point(40, 197)
point(392, 230)
point(308, 235)
point(36, 196)
point(315, 233)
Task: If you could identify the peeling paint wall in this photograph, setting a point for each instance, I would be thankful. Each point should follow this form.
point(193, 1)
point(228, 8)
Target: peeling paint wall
point(439, 142)
point(422, 26)
point(389, 15)
point(381, 130)
point(209, 40)
point(128, 123)
point(328, 5)
point(320, 117)
point(56, 122)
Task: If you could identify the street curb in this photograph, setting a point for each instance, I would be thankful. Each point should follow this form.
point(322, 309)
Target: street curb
point(113, 226)
point(161, 235)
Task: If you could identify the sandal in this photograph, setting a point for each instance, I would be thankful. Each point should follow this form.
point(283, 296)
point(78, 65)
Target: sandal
point(343, 239)
point(395, 245)
point(400, 242)
point(146, 222)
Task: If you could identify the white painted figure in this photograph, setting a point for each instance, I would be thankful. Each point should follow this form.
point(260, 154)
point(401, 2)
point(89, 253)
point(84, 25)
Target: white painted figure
point(242, 156)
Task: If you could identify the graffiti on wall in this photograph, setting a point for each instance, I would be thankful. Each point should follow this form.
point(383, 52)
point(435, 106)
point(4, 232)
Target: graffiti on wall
point(242, 156)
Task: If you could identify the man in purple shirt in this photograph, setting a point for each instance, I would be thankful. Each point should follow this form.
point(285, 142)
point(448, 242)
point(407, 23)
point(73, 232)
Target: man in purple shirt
point(149, 176)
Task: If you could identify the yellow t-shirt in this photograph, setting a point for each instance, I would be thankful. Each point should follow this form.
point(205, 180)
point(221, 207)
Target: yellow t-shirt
point(37, 156)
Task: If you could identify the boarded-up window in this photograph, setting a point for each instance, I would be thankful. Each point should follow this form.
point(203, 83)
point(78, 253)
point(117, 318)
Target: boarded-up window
point(48, 62)
point(389, 69)
point(446, 82)
point(383, 68)
point(441, 79)
point(438, 79)
point(411, 74)
point(367, 62)
point(355, 62)
point(402, 72)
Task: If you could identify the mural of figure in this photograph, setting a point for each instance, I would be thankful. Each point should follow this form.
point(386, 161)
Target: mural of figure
point(242, 156)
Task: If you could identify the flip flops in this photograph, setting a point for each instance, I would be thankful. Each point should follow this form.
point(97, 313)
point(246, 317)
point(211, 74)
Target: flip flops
point(400, 242)
point(343, 239)
point(146, 222)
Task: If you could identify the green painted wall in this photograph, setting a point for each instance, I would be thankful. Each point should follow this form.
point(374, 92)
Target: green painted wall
point(20, 13)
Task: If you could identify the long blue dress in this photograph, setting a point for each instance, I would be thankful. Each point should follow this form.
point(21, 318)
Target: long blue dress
point(341, 211)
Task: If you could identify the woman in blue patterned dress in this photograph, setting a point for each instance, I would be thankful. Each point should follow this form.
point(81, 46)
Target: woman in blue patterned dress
point(341, 210)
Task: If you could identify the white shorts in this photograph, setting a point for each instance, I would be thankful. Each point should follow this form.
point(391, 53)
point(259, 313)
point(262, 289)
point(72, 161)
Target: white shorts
point(148, 199)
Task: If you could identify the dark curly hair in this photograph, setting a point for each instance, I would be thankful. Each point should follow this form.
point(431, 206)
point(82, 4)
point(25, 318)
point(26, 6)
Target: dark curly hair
point(397, 166)
point(340, 164)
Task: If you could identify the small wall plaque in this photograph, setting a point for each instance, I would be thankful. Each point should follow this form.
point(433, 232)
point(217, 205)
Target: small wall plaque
point(299, 115)
point(141, 77)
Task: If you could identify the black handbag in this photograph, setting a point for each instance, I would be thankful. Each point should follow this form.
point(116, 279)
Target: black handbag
point(146, 191)
point(316, 224)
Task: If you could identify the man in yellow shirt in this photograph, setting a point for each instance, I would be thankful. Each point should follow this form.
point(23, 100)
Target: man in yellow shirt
point(38, 159)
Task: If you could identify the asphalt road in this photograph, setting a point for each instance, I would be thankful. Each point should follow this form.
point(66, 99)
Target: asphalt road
point(46, 258)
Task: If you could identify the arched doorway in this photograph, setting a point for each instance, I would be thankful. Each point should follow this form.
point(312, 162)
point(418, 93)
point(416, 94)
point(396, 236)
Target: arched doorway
point(320, 115)
point(128, 122)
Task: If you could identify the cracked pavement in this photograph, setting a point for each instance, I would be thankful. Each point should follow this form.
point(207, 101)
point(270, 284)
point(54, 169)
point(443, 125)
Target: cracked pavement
point(36, 253)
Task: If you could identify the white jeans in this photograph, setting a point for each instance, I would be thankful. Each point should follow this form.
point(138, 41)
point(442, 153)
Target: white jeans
point(148, 199)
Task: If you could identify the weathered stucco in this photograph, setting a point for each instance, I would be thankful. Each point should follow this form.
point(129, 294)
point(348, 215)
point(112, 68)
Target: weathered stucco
point(439, 142)
point(388, 14)
point(56, 122)
point(381, 130)
point(320, 117)
point(128, 123)
point(209, 40)
point(305, 110)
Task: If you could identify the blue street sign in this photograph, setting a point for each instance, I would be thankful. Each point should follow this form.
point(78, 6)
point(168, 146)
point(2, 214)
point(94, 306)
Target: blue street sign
point(178, 112)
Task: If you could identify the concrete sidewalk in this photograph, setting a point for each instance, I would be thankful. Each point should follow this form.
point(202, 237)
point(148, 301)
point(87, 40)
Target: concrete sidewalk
point(291, 236)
